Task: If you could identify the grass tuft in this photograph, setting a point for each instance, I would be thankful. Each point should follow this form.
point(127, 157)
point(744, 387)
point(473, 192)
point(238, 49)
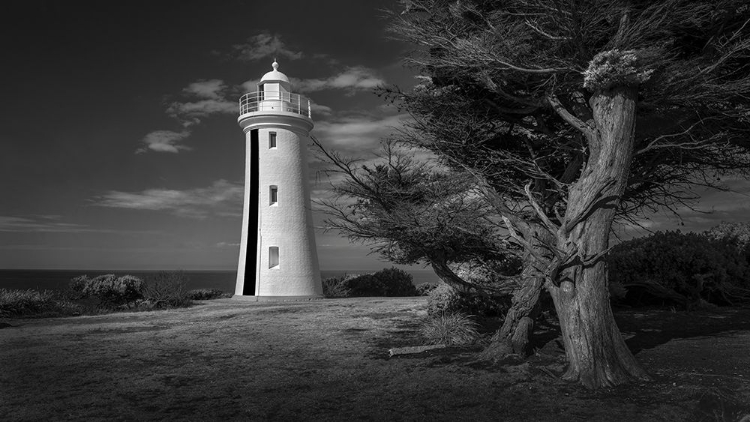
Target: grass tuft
point(451, 329)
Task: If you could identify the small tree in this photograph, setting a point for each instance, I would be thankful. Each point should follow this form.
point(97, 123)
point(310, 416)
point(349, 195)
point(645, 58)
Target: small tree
point(411, 213)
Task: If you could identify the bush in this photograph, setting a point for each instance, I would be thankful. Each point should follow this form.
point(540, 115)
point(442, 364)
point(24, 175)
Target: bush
point(444, 299)
point(33, 303)
point(206, 294)
point(673, 267)
point(167, 290)
point(334, 287)
point(450, 329)
point(389, 282)
point(76, 286)
point(424, 289)
point(112, 290)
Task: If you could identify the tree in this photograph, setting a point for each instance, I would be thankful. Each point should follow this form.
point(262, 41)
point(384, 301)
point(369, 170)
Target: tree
point(569, 114)
point(411, 213)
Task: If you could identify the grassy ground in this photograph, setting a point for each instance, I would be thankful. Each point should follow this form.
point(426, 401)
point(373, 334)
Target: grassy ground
point(231, 359)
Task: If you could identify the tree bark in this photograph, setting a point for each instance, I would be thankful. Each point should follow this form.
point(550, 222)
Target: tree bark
point(446, 274)
point(514, 335)
point(596, 352)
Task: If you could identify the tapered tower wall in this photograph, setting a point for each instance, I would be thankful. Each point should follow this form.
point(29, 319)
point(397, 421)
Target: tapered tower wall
point(278, 255)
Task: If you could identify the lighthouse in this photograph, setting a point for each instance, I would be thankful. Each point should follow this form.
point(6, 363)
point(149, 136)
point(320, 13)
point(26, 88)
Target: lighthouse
point(278, 259)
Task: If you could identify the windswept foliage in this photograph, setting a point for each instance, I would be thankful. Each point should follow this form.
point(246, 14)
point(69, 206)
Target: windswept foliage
point(570, 114)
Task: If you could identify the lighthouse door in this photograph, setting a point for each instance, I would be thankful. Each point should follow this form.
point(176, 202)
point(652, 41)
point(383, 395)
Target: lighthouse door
point(251, 258)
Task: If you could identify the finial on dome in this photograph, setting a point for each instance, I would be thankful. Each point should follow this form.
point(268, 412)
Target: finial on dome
point(275, 65)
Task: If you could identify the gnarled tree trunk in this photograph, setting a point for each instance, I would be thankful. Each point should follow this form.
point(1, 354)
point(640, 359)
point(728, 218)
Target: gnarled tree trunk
point(596, 352)
point(513, 337)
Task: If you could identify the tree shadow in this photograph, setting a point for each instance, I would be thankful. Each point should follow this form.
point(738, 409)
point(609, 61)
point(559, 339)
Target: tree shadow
point(653, 327)
point(646, 328)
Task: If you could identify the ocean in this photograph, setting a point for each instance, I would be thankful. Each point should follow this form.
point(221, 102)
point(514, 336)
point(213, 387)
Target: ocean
point(222, 280)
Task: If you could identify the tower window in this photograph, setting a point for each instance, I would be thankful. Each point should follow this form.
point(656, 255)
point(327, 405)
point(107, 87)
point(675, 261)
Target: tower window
point(273, 194)
point(272, 140)
point(273, 257)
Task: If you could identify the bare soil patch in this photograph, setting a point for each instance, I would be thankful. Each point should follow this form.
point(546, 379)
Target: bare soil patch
point(328, 360)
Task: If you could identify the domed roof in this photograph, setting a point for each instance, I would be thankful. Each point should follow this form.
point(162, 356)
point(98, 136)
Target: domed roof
point(274, 75)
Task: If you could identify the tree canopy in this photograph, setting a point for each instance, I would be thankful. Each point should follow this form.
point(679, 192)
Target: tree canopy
point(566, 115)
point(571, 113)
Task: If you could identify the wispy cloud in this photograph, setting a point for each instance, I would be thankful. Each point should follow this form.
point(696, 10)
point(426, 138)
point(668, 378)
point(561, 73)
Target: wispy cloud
point(357, 132)
point(321, 110)
point(202, 99)
point(222, 198)
point(353, 79)
point(164, 141)
point(53, 224)
point(190, 113)
point(38, 224)
point(211, 89)
point(199, 100)
point(264, 45)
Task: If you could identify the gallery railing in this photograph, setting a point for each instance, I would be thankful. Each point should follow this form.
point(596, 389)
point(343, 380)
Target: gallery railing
point(275, 101)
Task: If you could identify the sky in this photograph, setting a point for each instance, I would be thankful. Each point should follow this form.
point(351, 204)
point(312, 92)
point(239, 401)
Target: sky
point(119, 142)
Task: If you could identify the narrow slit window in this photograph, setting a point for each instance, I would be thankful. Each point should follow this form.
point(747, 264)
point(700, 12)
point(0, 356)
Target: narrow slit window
point(273, 194)
point(272, 140)
point(273, 257)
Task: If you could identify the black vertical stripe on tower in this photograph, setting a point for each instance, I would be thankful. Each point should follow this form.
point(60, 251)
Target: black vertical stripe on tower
point(251, 264)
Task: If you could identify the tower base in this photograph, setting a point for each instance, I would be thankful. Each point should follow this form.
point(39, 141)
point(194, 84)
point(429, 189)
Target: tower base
point(278, 298)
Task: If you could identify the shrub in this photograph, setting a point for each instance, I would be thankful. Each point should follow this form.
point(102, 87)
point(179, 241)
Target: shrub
point(444, 299)
point(450, 329)
point(424, 289)
point(113, 290)
point(206, 294)
point(33, 303)
point(389, 282)
point(76, 286)
point(167, 290)
point(334, 287)
point(678, 268)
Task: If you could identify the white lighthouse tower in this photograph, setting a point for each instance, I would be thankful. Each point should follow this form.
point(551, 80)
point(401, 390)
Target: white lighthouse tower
point(278, 258)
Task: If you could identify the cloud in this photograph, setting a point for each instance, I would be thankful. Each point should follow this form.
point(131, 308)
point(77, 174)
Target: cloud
point(264, 45)
point(353, 78)
point(52, 224)
point(200, 100)
point(222, 198)
point(210, 89)
point(164, 141)
point(320, 109)
point(191, 113)
point(39, 224)
point(203, 98)
point(357, 132)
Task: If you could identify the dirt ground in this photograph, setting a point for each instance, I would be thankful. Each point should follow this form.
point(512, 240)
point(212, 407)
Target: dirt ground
point(327, 360)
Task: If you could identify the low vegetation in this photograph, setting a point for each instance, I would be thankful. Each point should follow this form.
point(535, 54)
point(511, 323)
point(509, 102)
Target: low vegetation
point(455, 329)
point(24, 303)
point(207, 294)
point(680, 269)
point(105, 293)
point(389, 282)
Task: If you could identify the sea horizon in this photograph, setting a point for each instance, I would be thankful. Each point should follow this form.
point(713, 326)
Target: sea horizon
point(222, 279)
